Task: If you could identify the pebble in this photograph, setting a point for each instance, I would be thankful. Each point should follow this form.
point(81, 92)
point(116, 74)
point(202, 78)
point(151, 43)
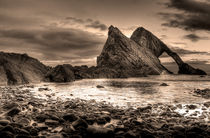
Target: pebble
point(4, 122)
point(14, 111)
point(80, 123)
point(100, 86)
point(164, 84)
point(81, 118)
point(70, 117)
point(51, 122)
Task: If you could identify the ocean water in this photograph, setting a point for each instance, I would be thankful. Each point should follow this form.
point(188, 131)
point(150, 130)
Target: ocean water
point(130, 92)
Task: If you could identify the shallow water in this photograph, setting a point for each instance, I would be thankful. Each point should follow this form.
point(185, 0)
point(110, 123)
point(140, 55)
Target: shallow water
point(130, 92)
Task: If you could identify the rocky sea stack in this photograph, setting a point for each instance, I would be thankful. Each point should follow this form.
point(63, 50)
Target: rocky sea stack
point(146, 39)
point(139, 55)
point(128, 57)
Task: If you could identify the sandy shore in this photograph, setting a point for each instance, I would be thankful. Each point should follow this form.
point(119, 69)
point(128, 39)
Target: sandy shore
point(22, 115)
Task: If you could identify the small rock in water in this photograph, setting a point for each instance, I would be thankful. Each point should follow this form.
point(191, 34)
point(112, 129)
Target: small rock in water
point(43, 89)
point(207, 104)
point(164, 84)
point(191, 107)
point(99, 86)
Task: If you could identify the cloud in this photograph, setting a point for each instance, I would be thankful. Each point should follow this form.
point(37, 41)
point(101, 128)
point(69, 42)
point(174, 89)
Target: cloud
point(57, 44)
point(194, 37)
point(193, 15)
point(89, 23)
point(97, 25)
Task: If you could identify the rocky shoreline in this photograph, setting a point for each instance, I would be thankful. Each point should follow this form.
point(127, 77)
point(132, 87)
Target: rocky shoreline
point(22, 116)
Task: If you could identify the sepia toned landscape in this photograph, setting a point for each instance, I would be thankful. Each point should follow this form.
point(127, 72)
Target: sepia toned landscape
point(108, 69)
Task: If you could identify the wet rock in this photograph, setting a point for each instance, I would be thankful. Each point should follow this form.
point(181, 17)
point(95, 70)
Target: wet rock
point(56, 136)
point(191, 107)
point(51, 122)
point(57, 129)
point(143, 109)
point(23, 121)
point(42, 117)
point(101, 121)
point(164, 84)
point(101, 132)
point(70, 117)
point(6, 134)
point(4, 122)
point(22, 136)
point(8, 128)
point(14, 124)
point(34, 132)
point(10, 106)
point(14, 111)
point(43, 89)
point(179, 128)
point(130, 134)
point(145, 133)
point(22, 131)
point(99, 86)
point(207, 104)
point(205, 93)
point(79, 123)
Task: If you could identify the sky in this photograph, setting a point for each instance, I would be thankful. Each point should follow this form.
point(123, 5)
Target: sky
point(74, 31)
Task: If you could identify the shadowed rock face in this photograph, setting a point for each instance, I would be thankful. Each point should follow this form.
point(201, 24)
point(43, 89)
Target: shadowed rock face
point(20, 69)
point(127, 57)
point(61, 73)
point(146, 39)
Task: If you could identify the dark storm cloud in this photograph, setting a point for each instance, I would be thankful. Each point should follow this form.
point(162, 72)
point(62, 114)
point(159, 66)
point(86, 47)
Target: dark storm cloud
point(90, 23)
point(194, 37)
point(181, 52)
point(57, 43)
point(195, 16)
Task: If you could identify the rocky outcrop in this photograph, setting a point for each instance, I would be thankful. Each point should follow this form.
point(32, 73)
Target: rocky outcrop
point(61, 73)
point(146, 39)
point(20, 69)
point(127, 57)
point(68, 73)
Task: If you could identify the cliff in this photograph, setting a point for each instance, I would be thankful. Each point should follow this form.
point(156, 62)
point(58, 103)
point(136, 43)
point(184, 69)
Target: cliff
point(20, 69)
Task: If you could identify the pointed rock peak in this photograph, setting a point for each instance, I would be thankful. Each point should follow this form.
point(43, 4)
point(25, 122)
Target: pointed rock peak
point(141, 31)
point(114, 30)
